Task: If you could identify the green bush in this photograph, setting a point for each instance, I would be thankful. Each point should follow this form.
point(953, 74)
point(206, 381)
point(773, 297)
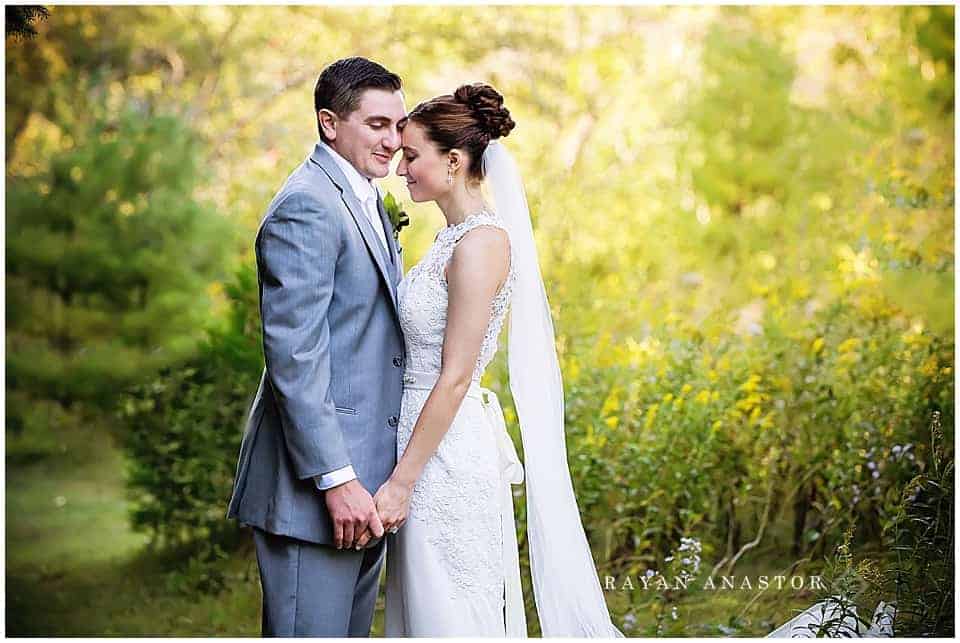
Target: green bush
point(184, 430)
point(787, 437)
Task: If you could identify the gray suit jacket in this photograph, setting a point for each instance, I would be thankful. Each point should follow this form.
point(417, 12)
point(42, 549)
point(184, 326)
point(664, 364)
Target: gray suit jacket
point(330, 391)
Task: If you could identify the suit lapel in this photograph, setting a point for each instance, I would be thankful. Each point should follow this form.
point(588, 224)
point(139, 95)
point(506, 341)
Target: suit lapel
point(322, 158)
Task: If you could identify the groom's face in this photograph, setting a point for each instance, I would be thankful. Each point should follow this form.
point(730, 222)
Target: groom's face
point(368, 137)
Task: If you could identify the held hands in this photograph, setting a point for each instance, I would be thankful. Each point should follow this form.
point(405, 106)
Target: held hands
point(354, 515)
point(358, 518)
point(393, 503)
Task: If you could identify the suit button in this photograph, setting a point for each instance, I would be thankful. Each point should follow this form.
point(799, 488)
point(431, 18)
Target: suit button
point(398, 361)
point(393, 421)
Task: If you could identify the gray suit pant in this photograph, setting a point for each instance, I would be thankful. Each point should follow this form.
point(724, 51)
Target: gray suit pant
point(316, 590)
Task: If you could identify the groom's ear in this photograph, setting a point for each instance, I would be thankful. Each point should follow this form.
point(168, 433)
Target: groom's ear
point(328, 123)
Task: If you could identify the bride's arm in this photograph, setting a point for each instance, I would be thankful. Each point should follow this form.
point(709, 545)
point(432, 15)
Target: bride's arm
point(475, 272)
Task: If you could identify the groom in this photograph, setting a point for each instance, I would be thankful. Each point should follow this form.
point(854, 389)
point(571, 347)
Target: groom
point(321, 434)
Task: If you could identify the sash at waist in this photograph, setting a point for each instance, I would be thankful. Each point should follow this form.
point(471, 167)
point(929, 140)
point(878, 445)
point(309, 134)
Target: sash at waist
point(424, 381)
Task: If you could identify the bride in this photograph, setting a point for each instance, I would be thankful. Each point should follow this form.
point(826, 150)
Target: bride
point(452, 560)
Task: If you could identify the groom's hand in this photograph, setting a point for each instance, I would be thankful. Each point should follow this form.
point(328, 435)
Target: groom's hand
point(352, 510)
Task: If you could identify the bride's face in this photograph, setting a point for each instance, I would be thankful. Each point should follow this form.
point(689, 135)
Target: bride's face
point(422, 164)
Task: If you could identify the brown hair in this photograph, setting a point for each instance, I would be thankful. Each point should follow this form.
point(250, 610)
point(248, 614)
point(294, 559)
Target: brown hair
point(341, 84)
point(468, 120)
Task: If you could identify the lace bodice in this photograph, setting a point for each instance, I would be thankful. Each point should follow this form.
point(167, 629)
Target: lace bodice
point(423, 300)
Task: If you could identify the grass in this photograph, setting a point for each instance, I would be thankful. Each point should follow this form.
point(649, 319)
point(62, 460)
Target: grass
point(74, 567)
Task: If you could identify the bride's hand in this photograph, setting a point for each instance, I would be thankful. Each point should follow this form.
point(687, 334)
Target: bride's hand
point(393, 504)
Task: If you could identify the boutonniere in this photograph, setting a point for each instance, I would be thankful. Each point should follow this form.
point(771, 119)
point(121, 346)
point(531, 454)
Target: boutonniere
point(398, 218)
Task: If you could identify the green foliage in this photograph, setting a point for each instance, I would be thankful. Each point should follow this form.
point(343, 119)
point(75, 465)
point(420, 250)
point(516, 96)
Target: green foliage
point(108, 260)
point(184, 429)
point(916, 572)
point(933, 30)
point(699, 437)
point(921, 535)
point(743, 121)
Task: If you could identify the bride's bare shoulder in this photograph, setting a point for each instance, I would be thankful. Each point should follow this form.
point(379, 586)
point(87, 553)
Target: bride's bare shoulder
point(484, 250)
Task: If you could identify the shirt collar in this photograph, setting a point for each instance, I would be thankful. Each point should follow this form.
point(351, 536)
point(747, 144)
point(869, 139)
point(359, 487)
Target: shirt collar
point(363, 188)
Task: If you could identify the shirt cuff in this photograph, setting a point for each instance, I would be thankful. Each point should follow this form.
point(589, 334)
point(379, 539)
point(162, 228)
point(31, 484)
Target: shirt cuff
point(334, 478)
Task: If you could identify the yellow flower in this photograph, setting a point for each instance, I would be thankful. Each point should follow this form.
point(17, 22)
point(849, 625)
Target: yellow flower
point(848, 345)
point(686, 389)
point(651, 415)
point(668, 397)
point(751, 401)
point(612, 421)
point(817, 345)
point(703, 397)
point(849, 358)
point(929, 366)
point(751, 384)
point(612, 403)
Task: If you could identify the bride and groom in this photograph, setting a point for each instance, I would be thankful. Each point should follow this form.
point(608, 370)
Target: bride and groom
point(370, 436)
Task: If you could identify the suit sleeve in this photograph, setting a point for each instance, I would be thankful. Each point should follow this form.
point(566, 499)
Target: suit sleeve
point(297, 251)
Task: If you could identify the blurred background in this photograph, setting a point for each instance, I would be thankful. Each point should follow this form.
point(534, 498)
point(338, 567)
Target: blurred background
point(745, 220)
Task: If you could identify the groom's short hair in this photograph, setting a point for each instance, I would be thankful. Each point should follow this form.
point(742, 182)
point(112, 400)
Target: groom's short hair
point(341, 84)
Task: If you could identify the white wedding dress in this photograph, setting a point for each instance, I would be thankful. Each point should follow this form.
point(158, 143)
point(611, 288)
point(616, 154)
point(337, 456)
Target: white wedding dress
point(450, 565)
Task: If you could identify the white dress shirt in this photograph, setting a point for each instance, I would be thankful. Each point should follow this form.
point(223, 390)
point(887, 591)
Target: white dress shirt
point(366, 192)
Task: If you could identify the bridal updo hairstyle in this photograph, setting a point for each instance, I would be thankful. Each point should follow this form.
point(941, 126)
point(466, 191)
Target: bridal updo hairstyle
point(468, 120)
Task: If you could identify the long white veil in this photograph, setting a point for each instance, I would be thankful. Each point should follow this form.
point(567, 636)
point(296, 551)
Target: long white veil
point(566, 588)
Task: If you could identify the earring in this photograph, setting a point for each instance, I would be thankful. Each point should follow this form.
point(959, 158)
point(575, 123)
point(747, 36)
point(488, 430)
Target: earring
point(450, 175)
